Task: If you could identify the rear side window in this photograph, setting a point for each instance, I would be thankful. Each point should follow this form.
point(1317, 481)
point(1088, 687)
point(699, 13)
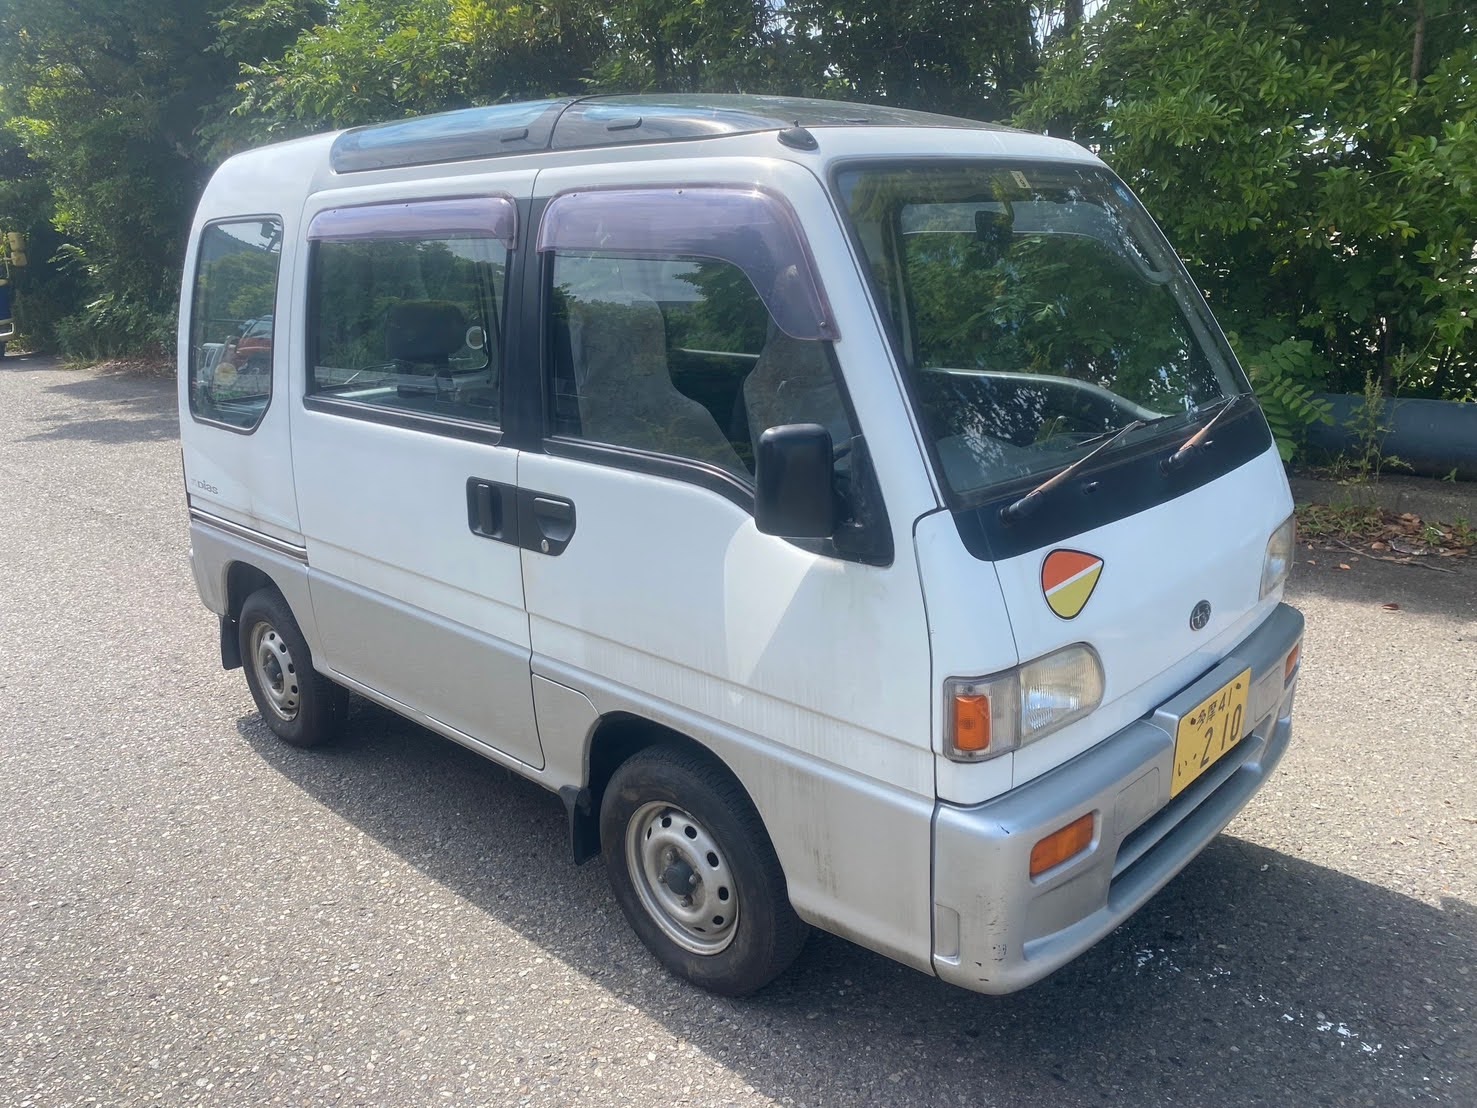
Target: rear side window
point(409, 324)
point(231, 321)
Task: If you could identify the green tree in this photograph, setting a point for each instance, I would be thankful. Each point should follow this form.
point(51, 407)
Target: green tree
point(1316, 163)
point(369, 60)
point(964, 57)
point(43, 293)
point(107, 99)
point(372, 60)
point(715, 45)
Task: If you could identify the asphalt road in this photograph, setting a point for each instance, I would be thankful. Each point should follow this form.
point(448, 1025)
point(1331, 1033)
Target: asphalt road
point(192, 912)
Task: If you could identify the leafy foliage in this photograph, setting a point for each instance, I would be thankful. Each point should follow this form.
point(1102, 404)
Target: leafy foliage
point(963, 57)
point(45, 293)
point(714, 46)
point(383, 59)
point(107, 99)
point(1287, 376)
point(1316, 164)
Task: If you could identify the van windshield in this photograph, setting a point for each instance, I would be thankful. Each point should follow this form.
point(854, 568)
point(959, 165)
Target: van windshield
point(1037, 310)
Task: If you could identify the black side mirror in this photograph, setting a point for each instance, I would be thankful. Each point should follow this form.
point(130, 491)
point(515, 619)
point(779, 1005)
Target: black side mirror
point(795, 496)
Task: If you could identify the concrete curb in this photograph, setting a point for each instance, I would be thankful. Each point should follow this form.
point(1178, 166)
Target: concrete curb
point(1432, 500)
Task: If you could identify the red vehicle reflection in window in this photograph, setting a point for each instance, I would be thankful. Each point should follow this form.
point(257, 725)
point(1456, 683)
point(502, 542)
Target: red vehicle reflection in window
point(254, 348)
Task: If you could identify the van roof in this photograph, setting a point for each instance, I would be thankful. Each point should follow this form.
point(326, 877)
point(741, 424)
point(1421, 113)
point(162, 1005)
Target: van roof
point(595, 121)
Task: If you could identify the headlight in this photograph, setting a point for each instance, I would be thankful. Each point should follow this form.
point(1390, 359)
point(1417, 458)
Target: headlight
point(1279, 557)
point(1059, 688)
point(990, 716)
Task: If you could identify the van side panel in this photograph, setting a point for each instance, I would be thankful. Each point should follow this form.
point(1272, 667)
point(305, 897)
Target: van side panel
point(385, 508)
point(410, 601)
point(806, 674)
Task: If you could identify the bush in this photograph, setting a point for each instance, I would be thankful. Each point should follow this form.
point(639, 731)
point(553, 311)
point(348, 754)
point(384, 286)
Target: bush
point(110, 327)
point(1315, 163)
point(1287, 376)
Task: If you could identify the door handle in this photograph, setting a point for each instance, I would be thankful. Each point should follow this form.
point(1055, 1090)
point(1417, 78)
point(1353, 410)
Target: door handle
point(545, 523)
point(492, 510)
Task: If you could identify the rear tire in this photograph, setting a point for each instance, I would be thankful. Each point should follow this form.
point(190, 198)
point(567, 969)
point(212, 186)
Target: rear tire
point(694, 871)
point(299, 704)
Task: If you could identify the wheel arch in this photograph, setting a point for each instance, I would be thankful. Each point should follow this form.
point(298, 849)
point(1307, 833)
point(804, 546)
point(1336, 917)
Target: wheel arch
point(614, 739)
point(242, 579)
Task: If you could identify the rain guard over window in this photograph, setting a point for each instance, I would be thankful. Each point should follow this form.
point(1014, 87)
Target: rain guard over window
point(474, 217)
point(754, 230)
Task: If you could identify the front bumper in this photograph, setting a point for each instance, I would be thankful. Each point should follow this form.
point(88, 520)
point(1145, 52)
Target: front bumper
point(997, 930)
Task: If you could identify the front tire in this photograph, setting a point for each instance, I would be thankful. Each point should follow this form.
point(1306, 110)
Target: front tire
point(299, 704)
point(694, 871)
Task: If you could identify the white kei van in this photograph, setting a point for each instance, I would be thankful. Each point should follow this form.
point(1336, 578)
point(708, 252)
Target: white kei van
point(854, 515)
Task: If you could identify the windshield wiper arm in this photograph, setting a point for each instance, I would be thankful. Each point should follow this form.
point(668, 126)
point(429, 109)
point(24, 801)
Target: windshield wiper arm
point(1027, 504)
point(1193, 444)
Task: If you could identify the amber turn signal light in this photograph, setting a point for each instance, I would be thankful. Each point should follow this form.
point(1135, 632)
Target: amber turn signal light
point(1291, 665)
point(1062, 846)
point(972, 723)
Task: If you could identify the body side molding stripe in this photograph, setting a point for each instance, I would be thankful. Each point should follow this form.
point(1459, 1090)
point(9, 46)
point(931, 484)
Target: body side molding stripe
point(271, 542)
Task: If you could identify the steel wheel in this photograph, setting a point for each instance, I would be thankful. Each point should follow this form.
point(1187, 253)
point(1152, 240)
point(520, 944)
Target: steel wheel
point(682, 878)
point(694, 871)
point(276, 674)
point(299, 704)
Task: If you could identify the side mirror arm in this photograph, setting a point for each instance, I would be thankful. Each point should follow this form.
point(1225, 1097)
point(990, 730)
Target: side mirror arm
point(865, 533)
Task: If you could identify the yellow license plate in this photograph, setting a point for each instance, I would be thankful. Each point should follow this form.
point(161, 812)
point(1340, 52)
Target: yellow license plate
point(1208, 730)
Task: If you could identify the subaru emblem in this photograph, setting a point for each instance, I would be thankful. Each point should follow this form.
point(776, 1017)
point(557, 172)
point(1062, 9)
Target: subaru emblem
point(1200, 616)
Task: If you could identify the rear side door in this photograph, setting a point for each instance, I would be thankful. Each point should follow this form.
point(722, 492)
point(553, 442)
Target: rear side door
point(235, 437)
point(404, 480)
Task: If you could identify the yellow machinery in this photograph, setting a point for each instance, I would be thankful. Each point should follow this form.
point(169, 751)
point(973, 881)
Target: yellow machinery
point(12, 257)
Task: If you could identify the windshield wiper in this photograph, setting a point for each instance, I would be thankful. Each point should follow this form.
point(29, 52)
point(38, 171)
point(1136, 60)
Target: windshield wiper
point(1027, 504)
point(1196, 442)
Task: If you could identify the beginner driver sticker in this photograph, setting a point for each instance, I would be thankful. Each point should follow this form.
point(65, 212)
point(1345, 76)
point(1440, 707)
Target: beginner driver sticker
point(1068, 578)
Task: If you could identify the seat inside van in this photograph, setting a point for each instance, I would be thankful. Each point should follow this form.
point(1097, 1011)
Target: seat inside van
point(420, 337)
point(623, 385)
point(792, 382)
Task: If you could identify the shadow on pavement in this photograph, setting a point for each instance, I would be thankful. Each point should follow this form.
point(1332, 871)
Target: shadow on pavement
point(1448, 591)
point(147, 403)
point(1254, 978)
point(111, 431)
point(29, 363)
